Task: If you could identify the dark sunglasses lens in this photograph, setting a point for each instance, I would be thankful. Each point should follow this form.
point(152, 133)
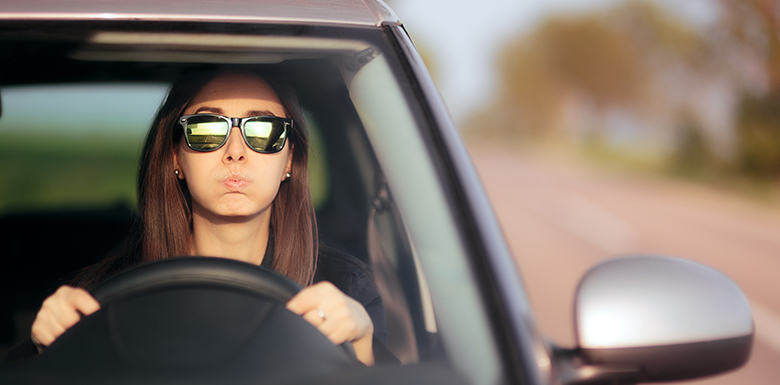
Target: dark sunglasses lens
point(265, 135)
point(206, 133)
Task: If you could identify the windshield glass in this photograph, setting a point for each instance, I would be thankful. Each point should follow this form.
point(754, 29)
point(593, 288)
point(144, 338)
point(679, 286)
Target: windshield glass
point(73, 138)
point(73, 144)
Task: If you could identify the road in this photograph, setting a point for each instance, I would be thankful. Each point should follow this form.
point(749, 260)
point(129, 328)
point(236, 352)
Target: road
point(560, 219)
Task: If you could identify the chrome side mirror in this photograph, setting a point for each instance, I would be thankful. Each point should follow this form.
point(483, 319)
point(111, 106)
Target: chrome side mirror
point(650, 318)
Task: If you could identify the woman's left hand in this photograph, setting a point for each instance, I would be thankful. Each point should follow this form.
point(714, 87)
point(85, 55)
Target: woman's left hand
point(337, 316)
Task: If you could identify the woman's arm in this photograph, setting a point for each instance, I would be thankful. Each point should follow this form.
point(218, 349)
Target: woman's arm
point(337, 316)
point(59, 313)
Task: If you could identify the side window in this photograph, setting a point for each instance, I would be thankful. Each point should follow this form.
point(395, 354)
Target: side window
point(319, 176)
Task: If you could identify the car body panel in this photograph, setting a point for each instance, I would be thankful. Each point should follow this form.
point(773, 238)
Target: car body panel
point(307, 12)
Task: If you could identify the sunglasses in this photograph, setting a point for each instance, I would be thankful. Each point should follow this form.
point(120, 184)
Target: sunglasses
point(209, 132)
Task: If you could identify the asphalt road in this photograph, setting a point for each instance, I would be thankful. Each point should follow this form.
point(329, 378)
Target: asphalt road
point(561, 218)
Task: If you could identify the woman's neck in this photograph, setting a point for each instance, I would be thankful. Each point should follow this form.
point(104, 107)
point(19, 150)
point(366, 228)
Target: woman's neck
point(240, 240)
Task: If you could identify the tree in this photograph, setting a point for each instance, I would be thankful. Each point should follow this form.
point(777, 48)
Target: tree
point(600, 60)
point(754, 35)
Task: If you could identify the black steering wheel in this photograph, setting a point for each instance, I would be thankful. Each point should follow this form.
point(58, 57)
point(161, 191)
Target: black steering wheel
point(198, 271)
point(191, 320)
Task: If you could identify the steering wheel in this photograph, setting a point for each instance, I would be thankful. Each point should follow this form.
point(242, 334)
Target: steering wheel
point(199, 271)
point(194, 320)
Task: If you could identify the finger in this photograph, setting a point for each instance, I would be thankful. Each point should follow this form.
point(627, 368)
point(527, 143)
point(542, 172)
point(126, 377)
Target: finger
point(333, 313)
point(312, 297)
point(343, 325)
point(336, 329)
point(84, 302)
point(55, 330)
point(46, 329)
point(313, 317)
point(337, 334)
point(54, 316)
point(70, 303)
point(59, 312)
point(52, 325)
point(42, 337)
point(301, 303)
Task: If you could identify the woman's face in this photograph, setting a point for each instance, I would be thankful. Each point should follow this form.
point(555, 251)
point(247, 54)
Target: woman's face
point(233, 182)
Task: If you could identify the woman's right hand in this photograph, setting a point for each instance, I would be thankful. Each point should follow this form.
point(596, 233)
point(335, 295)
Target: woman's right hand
point(59, 313)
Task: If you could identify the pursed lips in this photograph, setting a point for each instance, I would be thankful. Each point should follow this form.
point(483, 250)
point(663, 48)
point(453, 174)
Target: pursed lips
point(235, 182)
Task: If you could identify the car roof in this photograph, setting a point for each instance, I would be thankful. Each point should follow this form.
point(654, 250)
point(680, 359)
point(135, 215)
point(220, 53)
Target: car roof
point(307, 12)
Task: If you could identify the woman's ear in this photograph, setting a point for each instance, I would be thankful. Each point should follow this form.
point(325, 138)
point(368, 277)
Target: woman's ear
point(176, 169)
point(288, 168)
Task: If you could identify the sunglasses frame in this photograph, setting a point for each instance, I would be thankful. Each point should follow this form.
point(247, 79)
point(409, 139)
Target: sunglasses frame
point(238, 122)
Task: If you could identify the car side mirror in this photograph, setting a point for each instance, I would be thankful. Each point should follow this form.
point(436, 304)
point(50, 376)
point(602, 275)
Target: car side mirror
point(651, 319)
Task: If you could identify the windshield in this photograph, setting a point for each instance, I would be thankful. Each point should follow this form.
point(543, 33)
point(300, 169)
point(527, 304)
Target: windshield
point(73, 144)
point(73, 137)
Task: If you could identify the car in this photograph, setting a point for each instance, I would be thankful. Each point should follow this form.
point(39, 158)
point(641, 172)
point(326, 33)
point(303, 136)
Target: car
point(392, 185)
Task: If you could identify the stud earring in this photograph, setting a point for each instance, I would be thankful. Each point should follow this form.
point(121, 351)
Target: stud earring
point(288, 175)
point(176, 172)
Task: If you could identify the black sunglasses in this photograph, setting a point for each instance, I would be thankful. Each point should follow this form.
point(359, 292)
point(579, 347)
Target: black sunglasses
point(209, 132)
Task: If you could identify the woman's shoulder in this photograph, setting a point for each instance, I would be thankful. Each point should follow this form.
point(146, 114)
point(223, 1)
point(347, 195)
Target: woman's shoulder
point(348, 273)
point(330, 260)
point(353, 277)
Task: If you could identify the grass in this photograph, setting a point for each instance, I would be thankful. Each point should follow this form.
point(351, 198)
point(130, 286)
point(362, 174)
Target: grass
point(37, 171)
point(709, 173)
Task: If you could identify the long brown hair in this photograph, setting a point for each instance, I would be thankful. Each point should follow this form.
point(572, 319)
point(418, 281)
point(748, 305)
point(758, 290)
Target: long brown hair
point(164, 228)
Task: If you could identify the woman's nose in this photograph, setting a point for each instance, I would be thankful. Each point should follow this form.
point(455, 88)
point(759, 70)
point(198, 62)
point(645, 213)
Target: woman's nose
point(235, 148)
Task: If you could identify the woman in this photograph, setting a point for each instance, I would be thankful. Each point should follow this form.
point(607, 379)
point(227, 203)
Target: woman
point(235, 188)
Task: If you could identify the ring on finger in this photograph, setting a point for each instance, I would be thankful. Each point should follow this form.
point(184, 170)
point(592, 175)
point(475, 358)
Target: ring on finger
point(321, 314)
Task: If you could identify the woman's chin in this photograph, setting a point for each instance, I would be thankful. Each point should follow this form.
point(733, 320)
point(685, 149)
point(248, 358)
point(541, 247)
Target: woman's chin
point(232, 208)
point(239, 213)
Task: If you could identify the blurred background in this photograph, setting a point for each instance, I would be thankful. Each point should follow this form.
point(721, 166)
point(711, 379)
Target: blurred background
point(612, 127)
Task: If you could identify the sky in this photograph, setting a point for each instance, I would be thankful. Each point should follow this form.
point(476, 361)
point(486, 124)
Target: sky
point(83, 109)
point(464, 37)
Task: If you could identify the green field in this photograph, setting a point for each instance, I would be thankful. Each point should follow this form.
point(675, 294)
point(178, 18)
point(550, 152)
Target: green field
point(42, 172)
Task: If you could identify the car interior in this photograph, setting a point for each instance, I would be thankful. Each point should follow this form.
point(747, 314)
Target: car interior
point(46, 242)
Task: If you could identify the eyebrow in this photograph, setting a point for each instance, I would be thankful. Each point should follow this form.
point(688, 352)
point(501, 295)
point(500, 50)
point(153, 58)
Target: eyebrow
point(259, 113)
point(216, 110)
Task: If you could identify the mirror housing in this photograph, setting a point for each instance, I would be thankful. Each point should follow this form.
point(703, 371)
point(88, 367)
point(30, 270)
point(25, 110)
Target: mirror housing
point(651, 318)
